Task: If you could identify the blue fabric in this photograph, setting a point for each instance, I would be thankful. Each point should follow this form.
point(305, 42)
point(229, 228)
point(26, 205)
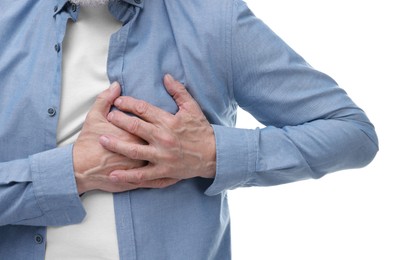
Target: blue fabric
point(226, 58)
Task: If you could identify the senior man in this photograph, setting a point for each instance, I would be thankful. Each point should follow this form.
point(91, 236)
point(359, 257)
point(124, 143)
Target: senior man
point(152, 162)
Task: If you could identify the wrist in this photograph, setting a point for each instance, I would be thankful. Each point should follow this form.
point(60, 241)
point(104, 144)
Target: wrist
point(80, 168)
point(210, 165)
point(81, 184)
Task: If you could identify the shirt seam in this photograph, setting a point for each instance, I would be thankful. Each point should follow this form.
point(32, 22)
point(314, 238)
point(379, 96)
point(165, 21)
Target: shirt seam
point(229, 47)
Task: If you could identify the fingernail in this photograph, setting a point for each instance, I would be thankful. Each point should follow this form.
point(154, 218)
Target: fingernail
point(114, 85)
point(104, 139)
point(110, 116)
point(169, 78)
point(118, 101)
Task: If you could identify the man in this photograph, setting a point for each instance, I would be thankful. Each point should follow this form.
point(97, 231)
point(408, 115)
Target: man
point(165, 159)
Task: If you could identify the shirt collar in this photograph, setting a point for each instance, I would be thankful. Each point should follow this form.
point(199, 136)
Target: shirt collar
point(139, 3)
point(59, 5)
point(117, 7)
point(62, 4)
point(121, 10)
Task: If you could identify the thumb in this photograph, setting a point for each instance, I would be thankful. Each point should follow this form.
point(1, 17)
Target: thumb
point(105, 99)
point(179, 93)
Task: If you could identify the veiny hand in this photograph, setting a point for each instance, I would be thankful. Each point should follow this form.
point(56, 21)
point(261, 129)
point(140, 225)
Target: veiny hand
point(92, 163)
point(179, 146)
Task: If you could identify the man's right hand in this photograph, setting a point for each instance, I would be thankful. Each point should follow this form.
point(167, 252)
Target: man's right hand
point(92, 163)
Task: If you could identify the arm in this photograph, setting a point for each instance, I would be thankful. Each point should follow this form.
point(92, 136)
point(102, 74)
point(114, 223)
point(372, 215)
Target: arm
point(40, 190)
point(43, 189)
point(313, 127)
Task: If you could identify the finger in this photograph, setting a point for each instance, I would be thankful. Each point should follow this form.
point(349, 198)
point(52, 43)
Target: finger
point(132, 177)
point(136, 175)
point(142, 109)
point(129, 149)
point(146, 173)
point(179, 93)
point(132, 125)
point(105, 99)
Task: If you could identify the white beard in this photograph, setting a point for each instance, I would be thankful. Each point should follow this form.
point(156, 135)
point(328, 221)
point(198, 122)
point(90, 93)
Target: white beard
point(90, 2)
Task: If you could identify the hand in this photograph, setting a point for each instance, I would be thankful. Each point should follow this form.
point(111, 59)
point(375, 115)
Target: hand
point(92, 163)
point(177, 146)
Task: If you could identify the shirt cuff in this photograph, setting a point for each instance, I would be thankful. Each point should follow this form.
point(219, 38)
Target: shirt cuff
point(55, 187)
point(236, 152)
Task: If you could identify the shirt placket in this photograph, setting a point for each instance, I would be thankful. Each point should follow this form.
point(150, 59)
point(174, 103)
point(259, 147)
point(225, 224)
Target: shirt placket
point(127, 12)
point(61, 11)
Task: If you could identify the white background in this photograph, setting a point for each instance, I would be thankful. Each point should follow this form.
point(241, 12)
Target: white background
point(365, 45)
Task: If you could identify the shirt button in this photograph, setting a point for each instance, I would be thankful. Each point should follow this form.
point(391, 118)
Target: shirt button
point(51, 111)
point(38, 238)
point(57, 47)
point(138, 1)
point(56, 8)
point(74, 7)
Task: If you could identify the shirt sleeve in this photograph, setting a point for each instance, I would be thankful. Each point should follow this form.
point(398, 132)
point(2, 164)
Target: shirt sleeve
point(40, 190)
point(312, 126)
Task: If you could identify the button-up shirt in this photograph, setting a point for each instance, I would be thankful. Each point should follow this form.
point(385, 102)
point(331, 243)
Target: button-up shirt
point(226, 58)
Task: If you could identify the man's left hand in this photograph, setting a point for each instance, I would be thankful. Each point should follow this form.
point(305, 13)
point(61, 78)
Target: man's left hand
point(179, 146)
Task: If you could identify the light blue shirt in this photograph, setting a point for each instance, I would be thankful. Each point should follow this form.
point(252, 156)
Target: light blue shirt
point(226, 58)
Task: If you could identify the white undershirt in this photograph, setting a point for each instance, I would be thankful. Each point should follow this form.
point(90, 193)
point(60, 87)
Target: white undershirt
point(85, 51)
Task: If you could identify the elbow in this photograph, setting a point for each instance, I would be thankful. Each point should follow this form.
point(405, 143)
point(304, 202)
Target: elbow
point(364, 144)
point(370, 146)
point(372, 151)
point(369, 154)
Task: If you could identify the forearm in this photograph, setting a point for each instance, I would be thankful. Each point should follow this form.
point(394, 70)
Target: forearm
point(313, 127)
point(273, 156)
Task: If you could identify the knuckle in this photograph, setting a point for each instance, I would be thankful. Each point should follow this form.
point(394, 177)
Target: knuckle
point(134, 152)
point(168, 140)
point(141, 107)
point(164, 172)
point(130, 177)
point(126, 178)
point(174, 123)
point(170, 158)
point(134, 126)
point(101, 98)
point(155, 184)
point(181, 91)
point(163, 183)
